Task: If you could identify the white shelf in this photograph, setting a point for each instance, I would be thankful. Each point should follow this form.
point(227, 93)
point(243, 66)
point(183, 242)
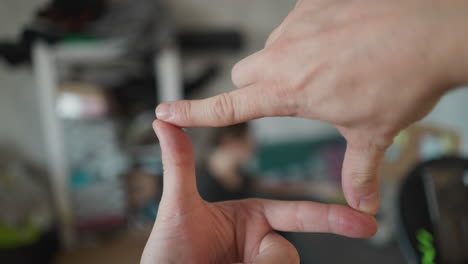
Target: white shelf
point(99, 52)
point(46, 60)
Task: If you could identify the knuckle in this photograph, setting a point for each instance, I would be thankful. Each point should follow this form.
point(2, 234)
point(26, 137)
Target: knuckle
point(363, 180)
point(183, 109)
point(224, 108)
point(273, 36)
point(279, 51)
point(299, 221)
point(237, 74)
point(249, 70)
point(286, 45)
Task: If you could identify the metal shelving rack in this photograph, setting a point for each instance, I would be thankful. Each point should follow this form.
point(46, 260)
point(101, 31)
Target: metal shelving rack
point(45, 66)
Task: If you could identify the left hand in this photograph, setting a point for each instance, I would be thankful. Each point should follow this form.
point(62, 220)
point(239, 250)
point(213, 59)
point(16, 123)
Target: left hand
point(191, 230)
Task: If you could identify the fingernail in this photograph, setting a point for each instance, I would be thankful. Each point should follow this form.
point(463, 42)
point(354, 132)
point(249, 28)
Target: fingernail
point(163, 111)
point(369, 204)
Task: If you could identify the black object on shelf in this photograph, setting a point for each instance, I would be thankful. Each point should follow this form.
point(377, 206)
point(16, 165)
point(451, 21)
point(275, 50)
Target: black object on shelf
point(433, 212)
point(208, 74)
point(193, 41)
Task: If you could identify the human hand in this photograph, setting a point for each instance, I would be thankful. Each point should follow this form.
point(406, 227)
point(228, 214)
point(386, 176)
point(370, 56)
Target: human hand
point(368, 67)
point(190, 230)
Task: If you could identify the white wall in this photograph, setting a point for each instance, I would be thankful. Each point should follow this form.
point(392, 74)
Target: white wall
point(452, 112)
point(14, 14)
point(19, 120)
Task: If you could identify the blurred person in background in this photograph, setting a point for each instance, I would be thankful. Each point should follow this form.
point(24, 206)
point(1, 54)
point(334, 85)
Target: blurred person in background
point(144, 192)
point(223, 176)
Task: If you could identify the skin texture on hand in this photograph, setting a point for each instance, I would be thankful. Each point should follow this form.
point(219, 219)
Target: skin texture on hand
point(368, 67)
point(190, 230)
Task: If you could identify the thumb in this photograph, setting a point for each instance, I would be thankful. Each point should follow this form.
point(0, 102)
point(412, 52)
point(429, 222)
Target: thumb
point(360, 177)
point(276, 249)
point(179, 185)
point(230, 108)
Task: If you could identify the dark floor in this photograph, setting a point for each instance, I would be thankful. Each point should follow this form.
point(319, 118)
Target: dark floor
point(331, 249)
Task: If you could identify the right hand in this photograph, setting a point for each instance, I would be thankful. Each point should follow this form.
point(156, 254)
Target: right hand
point(369, 67)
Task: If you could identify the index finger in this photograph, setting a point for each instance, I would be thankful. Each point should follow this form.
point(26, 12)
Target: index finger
point(253, 102)
point(318, 218)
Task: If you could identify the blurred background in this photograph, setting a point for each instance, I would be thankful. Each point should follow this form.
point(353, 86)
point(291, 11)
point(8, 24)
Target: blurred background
point(80, 167)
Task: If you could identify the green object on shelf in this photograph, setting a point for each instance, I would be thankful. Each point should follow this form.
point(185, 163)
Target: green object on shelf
point(14, 237)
